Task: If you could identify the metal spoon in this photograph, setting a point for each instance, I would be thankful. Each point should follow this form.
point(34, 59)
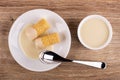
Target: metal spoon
point(52, 57)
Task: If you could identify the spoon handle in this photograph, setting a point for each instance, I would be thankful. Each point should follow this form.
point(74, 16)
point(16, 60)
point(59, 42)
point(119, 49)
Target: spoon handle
point(101, 65)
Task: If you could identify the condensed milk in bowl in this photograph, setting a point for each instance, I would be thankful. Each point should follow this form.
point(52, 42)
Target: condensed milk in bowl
point(94, 32)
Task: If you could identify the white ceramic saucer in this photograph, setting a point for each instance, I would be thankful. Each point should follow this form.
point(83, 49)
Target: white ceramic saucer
point(58, 25)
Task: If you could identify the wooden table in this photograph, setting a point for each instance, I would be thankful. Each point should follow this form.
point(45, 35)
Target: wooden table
point(73, 11)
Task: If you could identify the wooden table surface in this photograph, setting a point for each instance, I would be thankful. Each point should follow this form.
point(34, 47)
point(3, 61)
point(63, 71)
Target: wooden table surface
point(73, 11)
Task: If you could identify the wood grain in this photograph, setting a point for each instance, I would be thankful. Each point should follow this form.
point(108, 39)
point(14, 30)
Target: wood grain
point(73, 11)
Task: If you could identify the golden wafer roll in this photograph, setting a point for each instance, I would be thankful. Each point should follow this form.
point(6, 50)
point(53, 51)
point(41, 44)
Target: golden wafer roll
point(41, 26)
point(37, 29)
point(47, 40)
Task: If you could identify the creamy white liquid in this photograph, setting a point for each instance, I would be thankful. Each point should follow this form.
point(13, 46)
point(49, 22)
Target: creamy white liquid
point(94, 32)
point(28, 47)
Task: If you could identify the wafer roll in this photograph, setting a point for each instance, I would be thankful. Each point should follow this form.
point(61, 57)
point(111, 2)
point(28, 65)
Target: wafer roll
point(47, 40)
point(37, 29)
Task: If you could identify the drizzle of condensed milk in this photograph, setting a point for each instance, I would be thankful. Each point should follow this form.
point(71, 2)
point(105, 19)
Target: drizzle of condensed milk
point(94, 32)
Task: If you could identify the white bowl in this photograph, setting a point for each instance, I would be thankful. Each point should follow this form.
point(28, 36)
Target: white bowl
point(57, 23)
point(109, 29)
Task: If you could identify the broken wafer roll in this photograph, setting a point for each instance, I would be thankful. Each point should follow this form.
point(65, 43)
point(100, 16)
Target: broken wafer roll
point(47, 40)
point(37, 29)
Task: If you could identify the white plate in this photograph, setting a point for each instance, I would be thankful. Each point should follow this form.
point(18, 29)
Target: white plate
point(58, 25)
